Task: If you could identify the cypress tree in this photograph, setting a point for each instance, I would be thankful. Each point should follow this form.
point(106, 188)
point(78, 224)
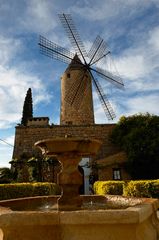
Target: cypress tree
point(27, 108)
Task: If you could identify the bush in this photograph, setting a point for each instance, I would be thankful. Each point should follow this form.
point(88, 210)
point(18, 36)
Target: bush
point(142, 188)
point(18, 190)
point(108, 187)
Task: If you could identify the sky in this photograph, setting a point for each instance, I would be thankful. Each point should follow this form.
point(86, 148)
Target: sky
point(130, 29)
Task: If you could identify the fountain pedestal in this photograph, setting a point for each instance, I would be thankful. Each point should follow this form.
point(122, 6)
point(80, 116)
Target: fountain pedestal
point(69, 152)
point(70, 180)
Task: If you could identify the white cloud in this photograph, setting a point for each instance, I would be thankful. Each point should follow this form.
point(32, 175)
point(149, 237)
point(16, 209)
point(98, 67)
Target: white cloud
point(154, 39)
point(9, 47)
point(139, 63)
point(39, 16)
point(111, 8)
point(6, 151)
point(132, 66)
point(43, 97)
point(132, 105)
point(13, 88)
point(100, 117)
point(14, 82)
point(143, 104)
point(27, 16)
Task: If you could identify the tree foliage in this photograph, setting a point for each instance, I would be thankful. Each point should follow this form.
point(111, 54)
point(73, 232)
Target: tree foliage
point(6, 175)
point(35, 169)
point(27, 108)
point(138, 136)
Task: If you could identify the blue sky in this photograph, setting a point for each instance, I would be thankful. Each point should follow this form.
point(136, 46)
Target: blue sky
point(131, 30)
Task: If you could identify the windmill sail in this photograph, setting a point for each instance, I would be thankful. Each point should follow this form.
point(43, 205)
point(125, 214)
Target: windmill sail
point(73, 34)
point(74, 96)
point(51, 49)
point(77, 89)
point(114, 79)
point(104, 100)
point(97, 50)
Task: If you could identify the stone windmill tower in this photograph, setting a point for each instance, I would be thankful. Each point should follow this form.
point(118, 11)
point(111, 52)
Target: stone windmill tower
point(76, 97)
point(77, 80)
point(83, 114)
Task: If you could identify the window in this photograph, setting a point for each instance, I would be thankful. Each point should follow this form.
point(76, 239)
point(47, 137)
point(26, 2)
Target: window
point(69, 122)
point(116, 173)
point(68, 75)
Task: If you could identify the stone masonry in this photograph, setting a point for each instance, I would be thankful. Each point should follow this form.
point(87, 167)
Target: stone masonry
point(26, 136)
point(76, 95)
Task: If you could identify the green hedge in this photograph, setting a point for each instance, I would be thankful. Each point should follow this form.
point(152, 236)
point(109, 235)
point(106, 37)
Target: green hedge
point(108, 187)
point(143, 188)
point(18, 190)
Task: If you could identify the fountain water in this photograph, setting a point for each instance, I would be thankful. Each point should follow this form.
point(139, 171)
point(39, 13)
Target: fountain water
point(74, 217)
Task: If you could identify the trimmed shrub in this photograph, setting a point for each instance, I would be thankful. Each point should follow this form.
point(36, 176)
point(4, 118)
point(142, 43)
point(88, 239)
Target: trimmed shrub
point(142, 188)
point(19, 190)
point(108, 187)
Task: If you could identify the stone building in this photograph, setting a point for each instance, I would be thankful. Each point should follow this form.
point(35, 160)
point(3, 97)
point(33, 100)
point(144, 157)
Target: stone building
point(113, 167)
point(75, 121)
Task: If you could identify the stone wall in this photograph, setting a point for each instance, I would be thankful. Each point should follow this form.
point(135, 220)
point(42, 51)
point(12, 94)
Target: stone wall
point(25, 137)
point(106, 173)
point(107, 166)
point(41, 121)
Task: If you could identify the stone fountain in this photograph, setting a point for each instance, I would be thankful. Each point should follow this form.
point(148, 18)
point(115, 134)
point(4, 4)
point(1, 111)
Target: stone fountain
point(77, 217)
point(69, 152)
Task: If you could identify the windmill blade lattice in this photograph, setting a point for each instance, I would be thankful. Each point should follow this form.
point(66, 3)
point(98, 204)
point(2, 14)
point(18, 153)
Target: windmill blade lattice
point(73, 35)
point(55, 51)
point(104, 100)
point(97, 50)
point(77, 90)
point(114, 79)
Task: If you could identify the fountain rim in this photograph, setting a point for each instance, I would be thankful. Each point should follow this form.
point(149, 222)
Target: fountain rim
point(68, 139)
point(132, 214)
point(69, 145)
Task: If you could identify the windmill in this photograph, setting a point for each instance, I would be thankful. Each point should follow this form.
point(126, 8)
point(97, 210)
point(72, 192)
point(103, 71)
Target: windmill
point(79, 86)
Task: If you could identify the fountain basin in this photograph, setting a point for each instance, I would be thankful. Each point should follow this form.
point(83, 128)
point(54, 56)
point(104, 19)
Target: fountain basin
point(137, 221)
point(56, 146)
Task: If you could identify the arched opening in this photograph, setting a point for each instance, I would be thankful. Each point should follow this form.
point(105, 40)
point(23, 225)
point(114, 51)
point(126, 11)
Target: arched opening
point(85, 165)
point(81, 189)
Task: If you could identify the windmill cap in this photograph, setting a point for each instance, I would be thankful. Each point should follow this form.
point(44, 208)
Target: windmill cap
point(75, 63)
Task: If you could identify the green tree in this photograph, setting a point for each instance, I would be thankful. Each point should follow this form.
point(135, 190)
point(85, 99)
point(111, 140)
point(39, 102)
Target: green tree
point(138, 136)
point(6, 175)
point(27, 108)
point(42, 168)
